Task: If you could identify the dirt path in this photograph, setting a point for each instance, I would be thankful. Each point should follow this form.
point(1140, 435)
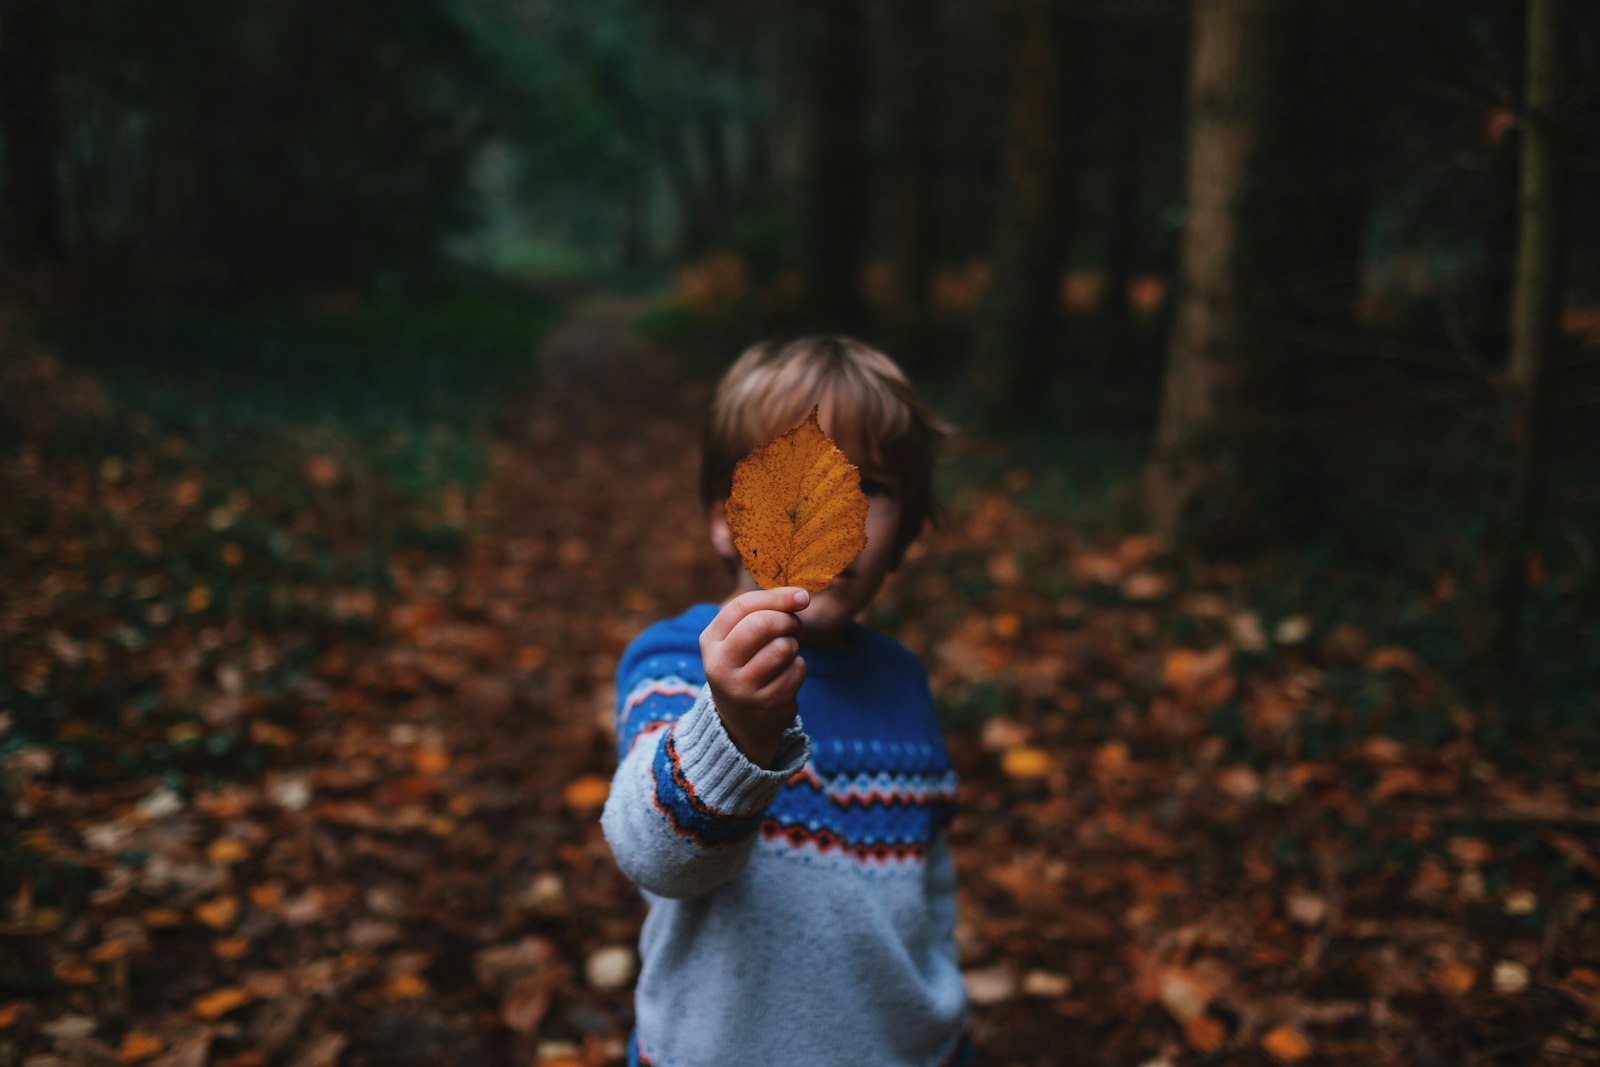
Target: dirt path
point(504, 670)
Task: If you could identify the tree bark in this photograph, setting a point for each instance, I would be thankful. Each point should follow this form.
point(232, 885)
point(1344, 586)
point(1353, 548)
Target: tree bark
point(1218, 384)
point(838, 170)
point(1018, 342)
point(30, 129)
point(1534, 322)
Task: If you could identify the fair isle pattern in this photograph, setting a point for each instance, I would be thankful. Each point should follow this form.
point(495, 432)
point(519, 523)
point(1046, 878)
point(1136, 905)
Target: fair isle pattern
point(654, 701)
point(885, 789)
point(686, 813)
point(880, 820)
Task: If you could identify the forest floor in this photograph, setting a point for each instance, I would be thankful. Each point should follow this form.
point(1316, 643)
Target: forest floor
point(1185, 836)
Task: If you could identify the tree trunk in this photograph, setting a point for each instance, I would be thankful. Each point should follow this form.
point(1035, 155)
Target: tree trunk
point(838, 171)
point(1218, 385)
point(1534, 321)
point(1017, 344)
point(30, 130)
point(911, 223)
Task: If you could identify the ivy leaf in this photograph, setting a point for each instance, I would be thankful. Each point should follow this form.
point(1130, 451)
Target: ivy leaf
point(797, 513)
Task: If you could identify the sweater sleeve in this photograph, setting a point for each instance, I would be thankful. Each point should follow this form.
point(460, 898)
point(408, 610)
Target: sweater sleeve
point(685, 803)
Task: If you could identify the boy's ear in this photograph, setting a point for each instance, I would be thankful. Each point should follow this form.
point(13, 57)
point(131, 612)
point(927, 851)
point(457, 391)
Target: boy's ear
point(721, 536)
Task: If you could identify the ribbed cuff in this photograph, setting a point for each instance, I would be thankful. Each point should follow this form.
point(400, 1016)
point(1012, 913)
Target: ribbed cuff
point(722, 777)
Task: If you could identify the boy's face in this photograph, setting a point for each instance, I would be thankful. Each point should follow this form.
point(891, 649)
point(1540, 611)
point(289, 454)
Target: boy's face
point(853, 588)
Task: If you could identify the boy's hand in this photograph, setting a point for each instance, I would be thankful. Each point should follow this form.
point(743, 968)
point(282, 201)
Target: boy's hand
point(751, 652)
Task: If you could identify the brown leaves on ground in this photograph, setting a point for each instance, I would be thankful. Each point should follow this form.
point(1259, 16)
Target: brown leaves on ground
point(1164, 858)
point(797, 513)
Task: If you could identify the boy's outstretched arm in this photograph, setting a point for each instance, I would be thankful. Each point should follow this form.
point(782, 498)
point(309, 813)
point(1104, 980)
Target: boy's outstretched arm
point(688, 798)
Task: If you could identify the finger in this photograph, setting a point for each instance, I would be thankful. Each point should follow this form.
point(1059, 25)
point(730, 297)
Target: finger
point(756, 631)
point(770, 660)
point(787, 598)
point(786, 686)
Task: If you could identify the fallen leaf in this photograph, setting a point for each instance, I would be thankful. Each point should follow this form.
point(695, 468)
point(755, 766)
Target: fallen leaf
point(230, 948)
point(193, 1050)
point(109, 951)
point(225, 851)
point(405, 987)
point(586, 793)
point(610, 967)
point(797, 513)
point(323, 1050)
point(1510, 977)
point(138, 1045)
point(72, 972)
point(430, 760)
point(1200, 679)
point(1046, 984)
point(1204, 1033)
point(527, 1000)
point(69, 1027)
point(1456, 977)
point(267, 895)
point(9, 1014)
point(1025, 762)
point(241, 1059)
point(216, 1004)
point(991, 985)
point(1184, 994)
point(219, 913)
point(1287, 1044)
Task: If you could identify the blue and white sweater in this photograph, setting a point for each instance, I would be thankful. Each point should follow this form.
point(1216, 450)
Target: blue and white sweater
point(798, 916)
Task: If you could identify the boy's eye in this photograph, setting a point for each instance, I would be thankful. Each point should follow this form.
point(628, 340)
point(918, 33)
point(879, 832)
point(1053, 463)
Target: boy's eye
point(871, 487)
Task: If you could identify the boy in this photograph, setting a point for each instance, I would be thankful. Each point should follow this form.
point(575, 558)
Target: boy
point(791, 838)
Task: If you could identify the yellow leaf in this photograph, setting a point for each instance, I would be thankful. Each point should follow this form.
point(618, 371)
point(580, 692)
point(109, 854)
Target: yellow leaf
point(1025, 762)
point(797, 513)
point(137, 1045)
point(587, 792)
point(218, 913)
point(1287, 1044)
point(216, 1004)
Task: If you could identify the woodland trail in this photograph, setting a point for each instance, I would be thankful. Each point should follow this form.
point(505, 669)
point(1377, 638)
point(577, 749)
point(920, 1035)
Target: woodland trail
point(590, 530)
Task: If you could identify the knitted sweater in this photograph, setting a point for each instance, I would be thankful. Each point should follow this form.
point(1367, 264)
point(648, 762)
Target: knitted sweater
point(798, 916)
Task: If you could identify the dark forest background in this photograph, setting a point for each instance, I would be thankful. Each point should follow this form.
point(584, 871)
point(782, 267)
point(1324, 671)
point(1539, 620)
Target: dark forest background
point(1306, 290)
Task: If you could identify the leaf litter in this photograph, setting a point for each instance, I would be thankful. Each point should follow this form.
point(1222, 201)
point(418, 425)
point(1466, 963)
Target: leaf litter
point(1157, 865)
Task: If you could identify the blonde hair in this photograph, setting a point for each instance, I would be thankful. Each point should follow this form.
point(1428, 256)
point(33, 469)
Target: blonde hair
point(772, 386)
